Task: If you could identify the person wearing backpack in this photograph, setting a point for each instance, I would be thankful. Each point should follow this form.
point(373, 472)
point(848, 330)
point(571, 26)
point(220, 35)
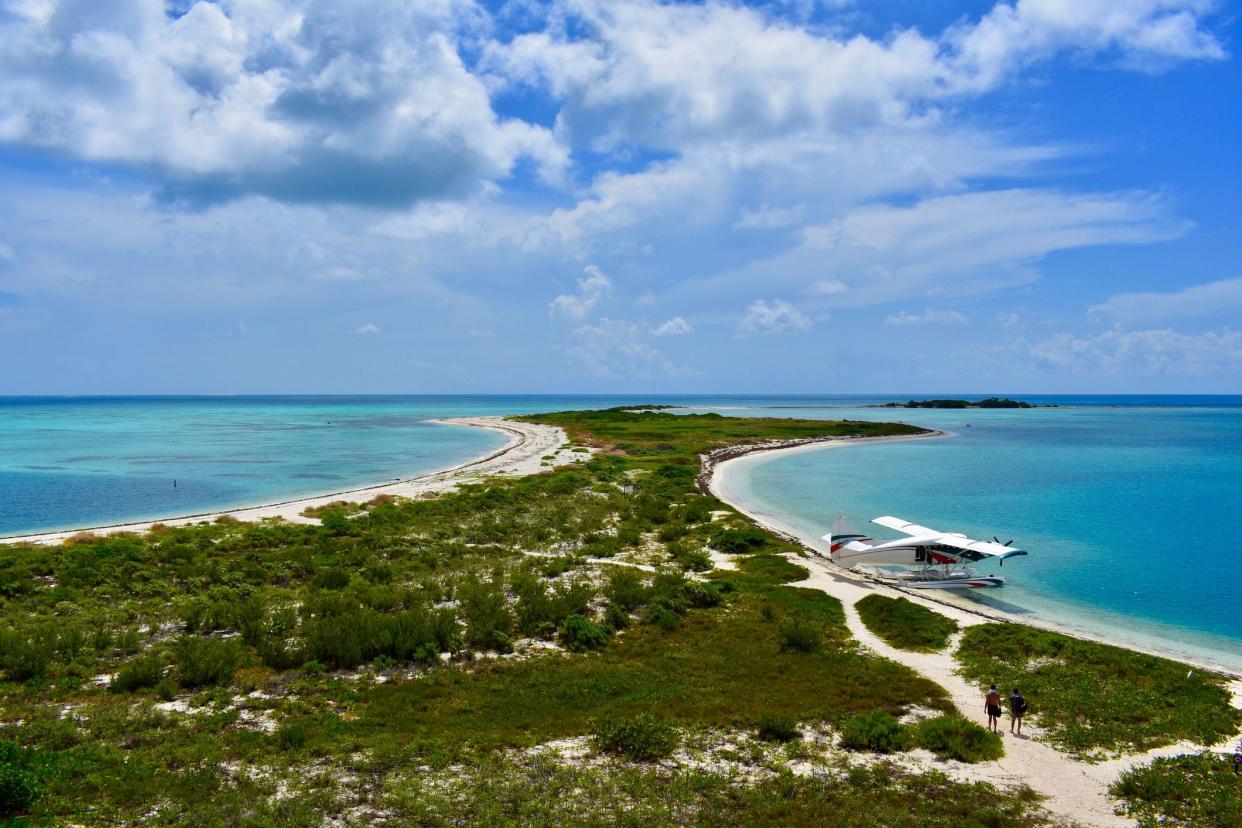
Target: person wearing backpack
point(991, 706)
point(1017, 709)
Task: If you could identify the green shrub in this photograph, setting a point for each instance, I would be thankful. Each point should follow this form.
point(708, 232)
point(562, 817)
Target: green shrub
point(905, 624)
point(777, 728)
point(540, 610)
point(801, 635)
point(875, 731)
point(738, 541)
point(144, 671)
point(616, 616)
point(292, 735)
point(958, 738)
point(662, 617)
point(166, 689)
point(332, 578)
point(202, 662)
point(26, 656)
point(702, 594)
point(642, 737)
point(489, 623)
point(19, 787)
point(580, 633)
point(625, 588)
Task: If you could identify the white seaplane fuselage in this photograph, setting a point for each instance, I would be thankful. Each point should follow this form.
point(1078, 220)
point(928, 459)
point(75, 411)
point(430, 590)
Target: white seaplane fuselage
point(929, 559)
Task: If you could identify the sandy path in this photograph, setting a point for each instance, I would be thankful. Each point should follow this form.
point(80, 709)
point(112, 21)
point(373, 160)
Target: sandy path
point(523, 454)
point(1075, 791)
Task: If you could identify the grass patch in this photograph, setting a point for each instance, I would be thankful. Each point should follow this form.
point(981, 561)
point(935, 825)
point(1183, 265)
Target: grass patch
point(905, 624)
point(507, 792)
point(1192, 790)
point(1092, 699)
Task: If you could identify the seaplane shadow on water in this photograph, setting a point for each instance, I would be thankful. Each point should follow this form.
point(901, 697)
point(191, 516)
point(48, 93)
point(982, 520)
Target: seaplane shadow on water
point(924, 559)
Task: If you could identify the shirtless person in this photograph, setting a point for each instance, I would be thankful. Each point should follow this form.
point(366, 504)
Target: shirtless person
point(992, 706)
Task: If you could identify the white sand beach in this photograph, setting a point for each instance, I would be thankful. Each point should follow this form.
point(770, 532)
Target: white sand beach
point(523, 454)
point(1075, 790)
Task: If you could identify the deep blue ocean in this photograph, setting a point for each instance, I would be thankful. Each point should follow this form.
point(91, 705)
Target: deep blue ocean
point(1128, 505)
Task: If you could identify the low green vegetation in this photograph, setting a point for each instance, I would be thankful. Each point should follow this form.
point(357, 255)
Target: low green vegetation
point(876, 731)
point(543, 791)
point(905, 624)
point(949, 736)
point(1200, 790)
point(642, 738)
point(958, 738)
point(1093, 699)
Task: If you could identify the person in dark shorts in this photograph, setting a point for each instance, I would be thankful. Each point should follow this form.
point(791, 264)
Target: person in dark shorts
point(1017, 709)
point(991, 706)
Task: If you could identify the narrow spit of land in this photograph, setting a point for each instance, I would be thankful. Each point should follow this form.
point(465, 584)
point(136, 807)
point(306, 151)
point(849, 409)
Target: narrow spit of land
point(596, 643)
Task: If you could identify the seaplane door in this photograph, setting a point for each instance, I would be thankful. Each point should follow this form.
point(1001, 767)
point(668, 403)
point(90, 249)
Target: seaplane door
point(920, 554)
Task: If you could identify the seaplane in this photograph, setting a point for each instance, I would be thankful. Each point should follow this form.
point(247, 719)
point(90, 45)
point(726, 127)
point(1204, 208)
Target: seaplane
point(927, 558)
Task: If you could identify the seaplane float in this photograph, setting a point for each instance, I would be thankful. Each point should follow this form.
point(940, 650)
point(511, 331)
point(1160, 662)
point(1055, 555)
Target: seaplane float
point(924, 559)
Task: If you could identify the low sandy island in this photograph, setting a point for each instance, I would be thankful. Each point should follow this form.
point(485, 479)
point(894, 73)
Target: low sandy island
point(1077, 791)
point(528, 445)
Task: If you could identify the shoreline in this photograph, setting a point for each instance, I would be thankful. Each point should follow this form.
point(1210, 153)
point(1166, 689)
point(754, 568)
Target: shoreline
point(523, 454)
point(715, 474)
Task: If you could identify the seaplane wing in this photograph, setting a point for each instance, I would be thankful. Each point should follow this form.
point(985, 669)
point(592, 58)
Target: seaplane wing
point(980, 549)
point(890, 522)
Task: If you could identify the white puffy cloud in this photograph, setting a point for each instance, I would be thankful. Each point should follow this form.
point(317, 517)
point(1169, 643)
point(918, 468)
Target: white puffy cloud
point(672, 74)
point(367, 328)
point(592, 289)
point(778, 317)
point(677, 326)
point(1209, 299)
point(367, 102)
point(931, 316)
point(1143, 33)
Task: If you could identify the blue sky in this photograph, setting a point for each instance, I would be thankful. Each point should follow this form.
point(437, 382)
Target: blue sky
point(267, 196)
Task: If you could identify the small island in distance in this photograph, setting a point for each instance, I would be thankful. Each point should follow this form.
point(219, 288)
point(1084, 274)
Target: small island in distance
point(990, 402)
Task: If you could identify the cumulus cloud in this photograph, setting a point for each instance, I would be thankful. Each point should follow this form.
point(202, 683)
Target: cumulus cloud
point(592, 289)
point(677, 326)
point(668, 74)
point(931, 316)
point(367, 329)
point(1209, 299)
point(779, 317)
point(367, 103)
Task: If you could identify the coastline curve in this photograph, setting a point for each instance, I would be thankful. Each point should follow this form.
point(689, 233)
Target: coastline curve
point(528, 444)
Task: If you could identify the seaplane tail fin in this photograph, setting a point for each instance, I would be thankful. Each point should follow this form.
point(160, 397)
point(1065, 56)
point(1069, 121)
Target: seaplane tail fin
point(843, 535)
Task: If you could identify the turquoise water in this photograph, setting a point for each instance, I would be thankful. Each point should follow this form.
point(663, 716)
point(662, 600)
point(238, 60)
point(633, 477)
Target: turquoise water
point(1128, 512)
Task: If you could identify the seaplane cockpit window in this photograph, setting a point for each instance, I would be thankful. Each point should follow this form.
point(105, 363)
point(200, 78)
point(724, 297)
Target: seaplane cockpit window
point(920, 554)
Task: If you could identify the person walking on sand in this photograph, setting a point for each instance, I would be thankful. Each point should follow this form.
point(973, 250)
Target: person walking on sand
point(991, 705)
point(1017, 709)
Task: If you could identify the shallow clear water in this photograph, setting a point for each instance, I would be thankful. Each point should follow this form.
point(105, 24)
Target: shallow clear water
point(1128, 512)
